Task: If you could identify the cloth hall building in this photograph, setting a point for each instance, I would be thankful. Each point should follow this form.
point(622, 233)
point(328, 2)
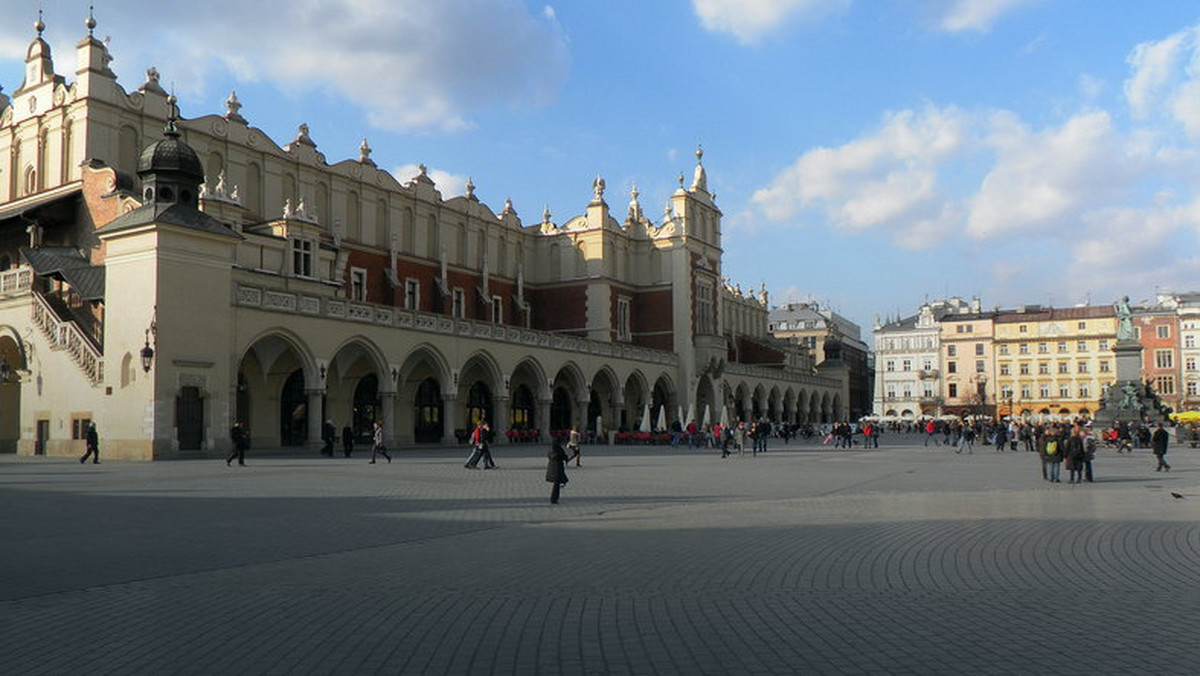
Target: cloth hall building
point(166, 284)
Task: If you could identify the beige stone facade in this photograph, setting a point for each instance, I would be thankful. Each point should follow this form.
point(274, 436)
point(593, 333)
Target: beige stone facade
point(297, 291)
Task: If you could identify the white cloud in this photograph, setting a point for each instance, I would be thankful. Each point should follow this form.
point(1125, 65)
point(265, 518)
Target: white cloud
point(450, 185)
point(751, 20)
point(1154, 65)
point(887, 179)
point(408, 64)
point(976, 15)
point(1040, 178)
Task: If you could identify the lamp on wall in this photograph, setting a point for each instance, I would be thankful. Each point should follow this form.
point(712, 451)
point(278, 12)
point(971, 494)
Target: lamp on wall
point(147, 352)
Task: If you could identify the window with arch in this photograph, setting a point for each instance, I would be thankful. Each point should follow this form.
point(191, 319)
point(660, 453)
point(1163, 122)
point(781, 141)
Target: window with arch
point(29, 183)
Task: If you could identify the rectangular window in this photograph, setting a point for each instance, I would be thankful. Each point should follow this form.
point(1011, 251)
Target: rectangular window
point(1164, 331)
point(1043, 348)
point(928, 392)
point(412, 294)
point(908, 391)
point(1103, 344)
point(459, 308)
point(1004, 349)
point(1081, 346)
point(1105, 366)
point(1044, 368)
point(1189, 364)
point(1004, 370)
point(891, 392)
point(1044, 391)
point(1083, 367)
point(927, 364)
point(79, 427)
point(1024, 369)
point(891, 365)
point(705, 322)
point(1023, 348)
point(1189, 340)
point(1082, 326)
point(1085, 392)
point(1192, 389)
point(1005, 392)
point(1024, 329)
point(906, 365)
point(1026, 392)
point(302, 258)
point(358, 284)
point(953, 390)
point(1164, 385)
point(1064, 367)
point(952, 367)
point(1062, 346)
point(978, 349)
point(979, 366)
point(623, 329)
point(1064, 391)
point(951, 351)
point(497, 310)
point(1164, 359)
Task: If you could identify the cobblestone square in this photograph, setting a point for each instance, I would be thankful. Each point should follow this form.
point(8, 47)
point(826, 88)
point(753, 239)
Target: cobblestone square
point(801, 560)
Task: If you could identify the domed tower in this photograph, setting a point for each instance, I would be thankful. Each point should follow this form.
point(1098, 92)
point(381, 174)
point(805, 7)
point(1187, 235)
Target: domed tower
point(170, 170)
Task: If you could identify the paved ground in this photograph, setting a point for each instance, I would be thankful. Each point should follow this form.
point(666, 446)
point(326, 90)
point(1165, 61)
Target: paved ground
point(902, 560)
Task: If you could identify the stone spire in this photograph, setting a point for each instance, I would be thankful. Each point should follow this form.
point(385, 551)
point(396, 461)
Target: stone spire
point(635, 207)
point(699, 177)
point(39, 66)
point(233, 107)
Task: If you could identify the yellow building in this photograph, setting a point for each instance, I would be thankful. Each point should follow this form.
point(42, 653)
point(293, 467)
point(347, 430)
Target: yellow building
point(968, 367)
point(1053, 360)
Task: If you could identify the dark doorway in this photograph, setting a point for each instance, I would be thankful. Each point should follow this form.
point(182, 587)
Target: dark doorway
point(43, 436)
point(560, 410)
point(293, 411)
point(189, 419)
point(521, 415)
point(366, 407)
point(428, 426)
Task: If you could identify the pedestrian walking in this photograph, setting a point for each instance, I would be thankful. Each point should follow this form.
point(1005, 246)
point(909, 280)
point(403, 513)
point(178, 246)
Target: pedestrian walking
point(92, 444)
point(573, 445)
point(347, 440)
point(1159, 442)
point(240, 436)
point(966, 440)
point(377, 447)
point(556, 470)
point(480, 447)
point(1074, 457)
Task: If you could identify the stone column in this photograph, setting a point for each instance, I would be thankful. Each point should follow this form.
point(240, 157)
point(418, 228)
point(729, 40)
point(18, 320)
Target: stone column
point(500, 415)
point(387, 401)
point(316, 416)
point(449, 415)
point(580, 418)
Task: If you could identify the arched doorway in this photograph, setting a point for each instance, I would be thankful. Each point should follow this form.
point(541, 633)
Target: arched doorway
point(293, 411)
point(10, 393)
point(521, 412)
point(366, 407)
point(479, 404)
point(428, 426)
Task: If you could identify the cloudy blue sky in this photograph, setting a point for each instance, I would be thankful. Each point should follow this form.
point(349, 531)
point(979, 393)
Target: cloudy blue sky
point(866, 153)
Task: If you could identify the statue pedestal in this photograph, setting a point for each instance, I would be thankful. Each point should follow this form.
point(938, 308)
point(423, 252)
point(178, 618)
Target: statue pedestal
point(1126, 399)
point(1129, 361)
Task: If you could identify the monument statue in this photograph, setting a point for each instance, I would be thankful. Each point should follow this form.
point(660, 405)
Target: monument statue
point(1124, 320)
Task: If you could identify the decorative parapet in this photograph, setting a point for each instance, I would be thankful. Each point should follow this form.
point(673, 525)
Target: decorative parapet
point(410, 320)
point(760, 372)
point(16, 282)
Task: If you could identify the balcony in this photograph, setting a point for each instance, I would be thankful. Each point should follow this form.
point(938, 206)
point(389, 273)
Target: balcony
point(929, 374)
point(16, 282)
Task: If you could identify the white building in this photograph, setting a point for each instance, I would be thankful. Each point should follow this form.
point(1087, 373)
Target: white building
point(907, 361)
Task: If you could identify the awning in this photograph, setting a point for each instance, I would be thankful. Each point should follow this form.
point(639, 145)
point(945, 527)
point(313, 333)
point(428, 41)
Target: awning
point(69, 265)
point(64, 195)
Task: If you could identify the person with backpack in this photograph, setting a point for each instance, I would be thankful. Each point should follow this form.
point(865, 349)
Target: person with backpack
point(1051, 453)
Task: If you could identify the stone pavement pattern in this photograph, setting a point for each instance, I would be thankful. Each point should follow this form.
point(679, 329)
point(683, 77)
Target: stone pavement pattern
point(805, 559)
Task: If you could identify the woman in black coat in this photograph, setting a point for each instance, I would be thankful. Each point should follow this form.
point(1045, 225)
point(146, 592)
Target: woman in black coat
point(1075, 456)
point(556, 469)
